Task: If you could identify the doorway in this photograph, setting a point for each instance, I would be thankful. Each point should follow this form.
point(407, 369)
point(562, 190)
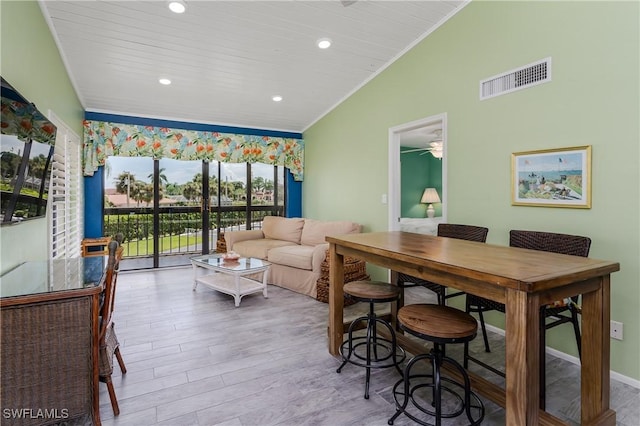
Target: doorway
point(423, 141)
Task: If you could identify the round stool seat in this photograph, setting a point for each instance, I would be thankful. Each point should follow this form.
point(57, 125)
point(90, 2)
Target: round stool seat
point(438, 323)
point(372, 291)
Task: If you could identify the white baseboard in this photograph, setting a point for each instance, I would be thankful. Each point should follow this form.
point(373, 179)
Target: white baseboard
point(575, 360)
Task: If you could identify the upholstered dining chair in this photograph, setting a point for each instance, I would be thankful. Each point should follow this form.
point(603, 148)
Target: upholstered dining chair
point(108, 343)
point(449, 230)
point(552, 315)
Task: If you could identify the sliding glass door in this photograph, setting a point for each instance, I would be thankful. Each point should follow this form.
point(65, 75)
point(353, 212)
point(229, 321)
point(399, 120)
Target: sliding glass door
point(181, 218)
point(170, 210)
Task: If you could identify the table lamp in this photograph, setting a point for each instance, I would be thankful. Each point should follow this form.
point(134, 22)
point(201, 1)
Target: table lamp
point(430, 196)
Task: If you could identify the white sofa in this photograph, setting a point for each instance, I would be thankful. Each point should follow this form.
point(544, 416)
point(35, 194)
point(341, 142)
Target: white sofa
point(296, 248)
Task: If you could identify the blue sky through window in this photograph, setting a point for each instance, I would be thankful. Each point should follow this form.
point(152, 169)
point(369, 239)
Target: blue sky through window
point(176, 171)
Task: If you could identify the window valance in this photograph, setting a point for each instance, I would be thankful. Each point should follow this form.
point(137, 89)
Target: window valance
point(103, 139)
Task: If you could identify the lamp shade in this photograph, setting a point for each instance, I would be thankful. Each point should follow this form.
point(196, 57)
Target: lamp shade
point(429, 196)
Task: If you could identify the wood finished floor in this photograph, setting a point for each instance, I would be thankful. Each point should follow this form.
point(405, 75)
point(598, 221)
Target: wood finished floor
point(195, 359)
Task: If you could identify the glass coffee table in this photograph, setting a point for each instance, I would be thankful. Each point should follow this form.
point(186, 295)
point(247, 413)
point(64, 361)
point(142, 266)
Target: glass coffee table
point(234, 277)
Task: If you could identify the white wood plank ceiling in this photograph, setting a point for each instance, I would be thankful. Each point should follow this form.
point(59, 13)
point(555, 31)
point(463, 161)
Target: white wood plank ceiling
point(226, 59)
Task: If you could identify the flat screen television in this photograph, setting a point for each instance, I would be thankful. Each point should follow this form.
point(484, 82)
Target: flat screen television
point(26, 153)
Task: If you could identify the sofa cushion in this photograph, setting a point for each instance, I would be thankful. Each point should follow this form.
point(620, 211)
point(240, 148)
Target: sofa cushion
point(283, 228)
point(315, 231)
point(295, 256)
point(259, 248)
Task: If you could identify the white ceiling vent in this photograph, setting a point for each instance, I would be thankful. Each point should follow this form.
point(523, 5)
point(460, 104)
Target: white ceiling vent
point(520, 78)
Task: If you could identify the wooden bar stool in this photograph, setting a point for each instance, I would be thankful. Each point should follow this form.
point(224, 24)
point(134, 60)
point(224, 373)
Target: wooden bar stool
point(441, 325)
point(371, 351)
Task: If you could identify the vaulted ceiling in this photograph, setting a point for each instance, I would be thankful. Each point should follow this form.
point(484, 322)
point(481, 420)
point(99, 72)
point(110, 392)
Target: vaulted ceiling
point(227, 59)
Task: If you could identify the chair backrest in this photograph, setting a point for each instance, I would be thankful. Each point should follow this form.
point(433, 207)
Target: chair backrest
point(119, 252)
point(463, 232)
point(109, 288)
point(548, 241)
point(574, 245)
point(119, 237)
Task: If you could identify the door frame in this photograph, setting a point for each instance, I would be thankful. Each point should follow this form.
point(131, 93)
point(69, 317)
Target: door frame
point(395, 134)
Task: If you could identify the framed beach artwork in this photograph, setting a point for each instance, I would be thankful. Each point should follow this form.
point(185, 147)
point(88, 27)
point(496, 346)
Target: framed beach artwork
point(552, 178)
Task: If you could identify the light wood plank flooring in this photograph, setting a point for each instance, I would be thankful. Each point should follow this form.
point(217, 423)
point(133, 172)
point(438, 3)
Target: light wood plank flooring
point(195, 359)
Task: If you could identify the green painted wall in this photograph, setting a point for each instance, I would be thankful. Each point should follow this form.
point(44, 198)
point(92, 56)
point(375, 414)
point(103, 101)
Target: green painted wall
point(592, 100)
point(30, 62)
point(417, 173)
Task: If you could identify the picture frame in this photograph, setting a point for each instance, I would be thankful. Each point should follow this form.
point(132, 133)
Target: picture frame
point(559, 177)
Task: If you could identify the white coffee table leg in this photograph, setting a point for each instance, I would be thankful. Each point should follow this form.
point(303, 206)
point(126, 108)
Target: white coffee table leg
point(195, 277)
point(236, 296)
point(264, 283)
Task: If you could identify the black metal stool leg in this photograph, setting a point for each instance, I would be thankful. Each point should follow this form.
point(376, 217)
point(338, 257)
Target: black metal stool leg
point(394, 346)
point(406, 384)
point(468, 393)
point(374, 329)
point(378, 351)
point(373, 344)
point(437, 386)
point(350, 342)
point(370, 328)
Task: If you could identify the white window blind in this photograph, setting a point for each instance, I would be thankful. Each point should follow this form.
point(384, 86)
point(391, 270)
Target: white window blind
point(66, 201)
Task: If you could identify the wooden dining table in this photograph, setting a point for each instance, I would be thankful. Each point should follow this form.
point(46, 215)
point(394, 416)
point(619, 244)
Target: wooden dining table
point(521, 279)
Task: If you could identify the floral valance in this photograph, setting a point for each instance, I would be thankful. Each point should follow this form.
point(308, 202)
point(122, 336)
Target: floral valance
point(104, 139)
point(26, 122)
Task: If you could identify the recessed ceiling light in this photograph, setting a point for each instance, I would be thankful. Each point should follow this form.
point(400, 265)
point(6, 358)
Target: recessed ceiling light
point(177, 6)
point(324, 43)
point(165, 81)
point(277, 98)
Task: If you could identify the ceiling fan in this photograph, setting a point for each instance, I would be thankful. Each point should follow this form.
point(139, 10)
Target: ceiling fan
point(434, 145)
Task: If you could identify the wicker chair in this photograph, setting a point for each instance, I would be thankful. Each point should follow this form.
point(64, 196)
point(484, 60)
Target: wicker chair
point(561, 312)
point(354, 270)
point(449, 230)
point(109, 345)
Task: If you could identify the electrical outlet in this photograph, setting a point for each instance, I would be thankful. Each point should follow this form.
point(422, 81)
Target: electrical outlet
point(616, 330)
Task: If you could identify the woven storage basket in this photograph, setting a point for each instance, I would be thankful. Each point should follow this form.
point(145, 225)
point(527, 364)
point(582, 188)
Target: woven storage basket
point(354, 270)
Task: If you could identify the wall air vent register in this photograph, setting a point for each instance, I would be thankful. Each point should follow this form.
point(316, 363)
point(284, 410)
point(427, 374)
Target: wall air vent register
point(527, 76)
